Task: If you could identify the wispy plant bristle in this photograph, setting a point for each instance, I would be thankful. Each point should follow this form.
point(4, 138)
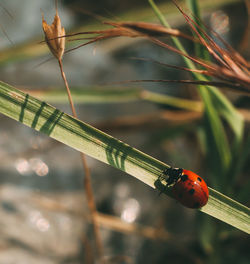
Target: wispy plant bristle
point(229, 68)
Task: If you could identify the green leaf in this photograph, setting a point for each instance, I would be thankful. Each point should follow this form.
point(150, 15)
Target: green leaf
point(228, 112)
point(227, 209)
point(87, 139)
point(76, 134)
point(216, 131)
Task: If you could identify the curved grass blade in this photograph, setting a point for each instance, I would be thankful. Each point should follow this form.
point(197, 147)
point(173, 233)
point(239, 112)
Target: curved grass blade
point(93, 142)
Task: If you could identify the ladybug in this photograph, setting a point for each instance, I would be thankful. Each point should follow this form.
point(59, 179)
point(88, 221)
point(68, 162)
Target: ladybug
point(187, 187)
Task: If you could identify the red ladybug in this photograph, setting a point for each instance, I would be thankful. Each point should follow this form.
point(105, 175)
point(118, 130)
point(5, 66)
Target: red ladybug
point(187, 187)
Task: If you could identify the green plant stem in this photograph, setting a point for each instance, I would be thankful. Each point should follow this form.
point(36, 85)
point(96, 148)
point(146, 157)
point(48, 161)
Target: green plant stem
point(93, 142)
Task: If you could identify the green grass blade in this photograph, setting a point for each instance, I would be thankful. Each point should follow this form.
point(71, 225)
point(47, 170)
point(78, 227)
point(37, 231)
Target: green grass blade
point(88, 95)
point(216, 127)
point(76, 134)
point(215, 103)
point(228, 210)
point(227, 110)
point(222, 105)
point(199, 49)
point(93, 142)
point(181, 103)
point(94, 95)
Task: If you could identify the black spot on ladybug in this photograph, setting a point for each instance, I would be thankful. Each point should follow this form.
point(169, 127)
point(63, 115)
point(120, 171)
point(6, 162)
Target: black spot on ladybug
point(184, 177)
point(199, 179)
point(191, 191)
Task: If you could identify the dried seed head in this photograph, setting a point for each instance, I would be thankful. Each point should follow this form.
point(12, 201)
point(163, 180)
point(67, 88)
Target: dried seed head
point(54, 36)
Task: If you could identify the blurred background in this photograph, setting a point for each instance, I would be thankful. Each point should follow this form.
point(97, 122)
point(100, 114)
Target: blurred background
point(43, 212)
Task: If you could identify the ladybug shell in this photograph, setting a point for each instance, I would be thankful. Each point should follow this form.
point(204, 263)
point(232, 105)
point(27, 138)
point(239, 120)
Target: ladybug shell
point(191, 190)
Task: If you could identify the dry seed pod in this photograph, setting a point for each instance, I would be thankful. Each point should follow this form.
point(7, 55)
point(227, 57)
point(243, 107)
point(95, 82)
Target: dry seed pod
point(54, 36)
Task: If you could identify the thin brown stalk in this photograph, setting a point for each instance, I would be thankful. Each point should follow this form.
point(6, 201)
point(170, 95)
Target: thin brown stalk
point(196, 60)
point(55, 39)
point(135, 29)
point(110, 222)
point(87, 178)
point(2, 28)
point(6, 35)
point(115, 223)
point(88, 258)
point(150, 29)
point(205, 72)
point(223, 85)
point(7, 11)
point(229, 67)
point(67, 88)
point(228, 59)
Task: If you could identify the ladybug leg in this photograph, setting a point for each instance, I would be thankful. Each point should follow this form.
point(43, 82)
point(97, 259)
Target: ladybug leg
point(159, 185)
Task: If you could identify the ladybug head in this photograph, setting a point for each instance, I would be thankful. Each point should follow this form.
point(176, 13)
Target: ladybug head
point(174, 174)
